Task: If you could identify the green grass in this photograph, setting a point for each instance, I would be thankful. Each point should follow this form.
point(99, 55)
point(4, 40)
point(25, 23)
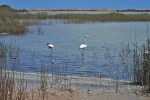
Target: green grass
point(103, 17)
point(8, 24)
point(77, 18)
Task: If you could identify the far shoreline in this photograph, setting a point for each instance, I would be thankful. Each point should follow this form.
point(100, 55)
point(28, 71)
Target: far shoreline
point(87, 10)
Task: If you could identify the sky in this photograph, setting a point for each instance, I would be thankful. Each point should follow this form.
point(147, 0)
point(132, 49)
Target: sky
point(77, 4)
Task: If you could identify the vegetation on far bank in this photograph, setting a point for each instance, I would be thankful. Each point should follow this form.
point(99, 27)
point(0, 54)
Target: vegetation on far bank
point(7, 8)
point(9, 18)
point(7, 22)
point(110, 17)
point(104, 17)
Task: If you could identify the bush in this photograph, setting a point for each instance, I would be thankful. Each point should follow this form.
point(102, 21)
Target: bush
point(10, 25)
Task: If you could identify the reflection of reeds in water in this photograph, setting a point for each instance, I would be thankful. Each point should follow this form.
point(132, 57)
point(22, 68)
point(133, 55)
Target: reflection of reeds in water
point(39, 30)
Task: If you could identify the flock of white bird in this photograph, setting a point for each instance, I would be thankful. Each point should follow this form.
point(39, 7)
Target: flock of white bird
point(82, 46)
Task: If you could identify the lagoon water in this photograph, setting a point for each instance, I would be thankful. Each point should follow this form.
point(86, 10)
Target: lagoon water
point(66, 38)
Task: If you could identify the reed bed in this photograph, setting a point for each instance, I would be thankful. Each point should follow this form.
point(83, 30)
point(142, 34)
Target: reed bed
point(10, 25)
point(7, 22)
point(110, 17)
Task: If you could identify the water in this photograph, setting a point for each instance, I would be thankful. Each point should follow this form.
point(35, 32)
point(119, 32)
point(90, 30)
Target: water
point(66, 38)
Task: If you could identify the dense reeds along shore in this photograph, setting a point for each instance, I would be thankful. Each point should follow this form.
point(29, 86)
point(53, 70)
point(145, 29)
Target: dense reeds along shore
point(118, 17)
point(10, 25)
point(109, 17)
point(7, 23)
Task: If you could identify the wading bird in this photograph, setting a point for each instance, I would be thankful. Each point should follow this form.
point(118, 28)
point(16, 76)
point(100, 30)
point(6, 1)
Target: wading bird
point(83, 46)
point(50, 46)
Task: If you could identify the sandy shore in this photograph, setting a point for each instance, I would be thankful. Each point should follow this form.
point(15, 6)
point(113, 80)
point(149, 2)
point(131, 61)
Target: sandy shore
point(4, 33)
point(78, 88)
point(58, 94)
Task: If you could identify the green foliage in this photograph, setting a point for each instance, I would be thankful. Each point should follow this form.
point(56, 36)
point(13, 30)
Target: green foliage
point(110, 17)
point(3, 50)
point(103, 17)
point(8, 24)
point(7, 8)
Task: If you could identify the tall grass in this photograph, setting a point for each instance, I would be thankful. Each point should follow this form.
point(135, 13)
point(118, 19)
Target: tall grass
point(110, 17)
point(7, 22)
point(10, 25)
point(136, 60)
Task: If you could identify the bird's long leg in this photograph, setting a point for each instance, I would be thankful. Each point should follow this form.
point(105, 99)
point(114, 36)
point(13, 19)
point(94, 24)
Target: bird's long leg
point(82, 53)
point(52, 66)
point(51, 52)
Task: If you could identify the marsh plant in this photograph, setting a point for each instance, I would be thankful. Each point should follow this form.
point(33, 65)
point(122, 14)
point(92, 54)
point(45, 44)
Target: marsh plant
point(136, 62)
point(7, 83)
point(145, 77)
point(10, 25)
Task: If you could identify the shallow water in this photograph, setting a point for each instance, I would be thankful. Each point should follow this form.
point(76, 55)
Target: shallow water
point(66, 38)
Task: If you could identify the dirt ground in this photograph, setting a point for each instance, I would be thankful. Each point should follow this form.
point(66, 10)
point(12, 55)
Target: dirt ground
point(59, 94)
point(80, 88)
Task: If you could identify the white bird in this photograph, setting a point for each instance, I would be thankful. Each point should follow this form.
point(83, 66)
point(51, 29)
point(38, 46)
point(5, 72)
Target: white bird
point(51, 46)
point(82, 46)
